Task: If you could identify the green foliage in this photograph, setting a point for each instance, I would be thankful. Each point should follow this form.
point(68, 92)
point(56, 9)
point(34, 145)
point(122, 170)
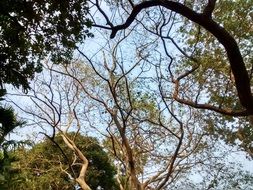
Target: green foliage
point(240, 136)
point(30, 30)
point(5, 169)
point(42, 166)
point(7, 158)
point(214, 73)
point(8, 122)
point(145, 106)
point(213, 83)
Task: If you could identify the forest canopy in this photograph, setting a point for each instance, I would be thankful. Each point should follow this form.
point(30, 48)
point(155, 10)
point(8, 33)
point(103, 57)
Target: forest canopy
point(165, 87)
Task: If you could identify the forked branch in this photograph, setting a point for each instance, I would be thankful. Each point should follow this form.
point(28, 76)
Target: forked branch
point(242, 79)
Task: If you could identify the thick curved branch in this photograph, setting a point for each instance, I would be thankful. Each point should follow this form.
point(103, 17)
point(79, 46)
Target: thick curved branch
point(235, 58)
point(209, 8)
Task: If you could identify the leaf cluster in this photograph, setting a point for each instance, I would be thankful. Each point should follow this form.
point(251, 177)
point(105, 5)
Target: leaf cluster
point(31, 30)
point(45, 167)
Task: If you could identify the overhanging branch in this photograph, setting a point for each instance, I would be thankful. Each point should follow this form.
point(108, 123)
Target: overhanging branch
point(242, 80)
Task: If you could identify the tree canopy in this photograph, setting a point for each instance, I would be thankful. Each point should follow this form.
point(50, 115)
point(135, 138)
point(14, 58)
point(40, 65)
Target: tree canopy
point(30, 30)
point(165, 85)
point(45, 167)
point(203, 16)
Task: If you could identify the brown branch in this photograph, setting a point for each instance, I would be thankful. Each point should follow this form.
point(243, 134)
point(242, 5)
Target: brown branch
point(209, 8)
point(81, 178)
point(131, 3)
point(129, 151)
point(173, 159)
point(228, 112)
point(103, 13)
point(235, 58)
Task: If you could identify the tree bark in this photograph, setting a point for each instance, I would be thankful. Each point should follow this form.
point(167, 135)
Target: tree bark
point(81, 178)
